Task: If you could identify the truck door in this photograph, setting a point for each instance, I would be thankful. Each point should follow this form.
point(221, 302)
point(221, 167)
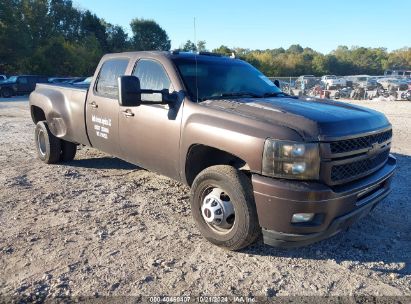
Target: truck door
point(23, 85)
point(150, 133)
point(102, 106)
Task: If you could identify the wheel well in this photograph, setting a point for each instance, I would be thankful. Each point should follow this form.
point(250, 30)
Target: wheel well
point(37, 114)
point(200, 157)
point(5, 89)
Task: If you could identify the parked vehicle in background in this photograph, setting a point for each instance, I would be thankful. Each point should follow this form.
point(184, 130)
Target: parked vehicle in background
point(77, 80)
point(406, 95)
point(256, 159)
point(3, 78)
point(393, 84)
point(362, 81)
point(20, 85)
point(343, 93)
point(84, 83)
point(332, 82)
point(306, 82)
point(400, 73)
point(61, 79)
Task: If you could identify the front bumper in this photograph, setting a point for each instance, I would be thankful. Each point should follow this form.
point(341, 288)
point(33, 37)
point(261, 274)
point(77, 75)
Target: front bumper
point(335, 207)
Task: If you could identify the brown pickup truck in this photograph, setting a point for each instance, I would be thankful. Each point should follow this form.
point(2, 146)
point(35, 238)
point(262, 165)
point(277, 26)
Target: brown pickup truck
point(256, 159)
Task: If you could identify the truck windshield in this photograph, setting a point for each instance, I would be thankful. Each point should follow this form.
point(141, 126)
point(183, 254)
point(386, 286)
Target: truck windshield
point(11, 79)
point(213, 78)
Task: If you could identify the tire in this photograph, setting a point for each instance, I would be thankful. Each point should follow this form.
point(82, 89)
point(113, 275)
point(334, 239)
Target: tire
point(68, 151)
point(7, 93)
point(47, 145)
point(237, 187)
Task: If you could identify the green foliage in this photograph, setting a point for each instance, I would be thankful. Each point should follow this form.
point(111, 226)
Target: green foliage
point(201, 46)
point(92, 25)
point(148, 35)
point(62, 54)
point(398, 59)
point(223, 50)
point(51, 37)
point(297, 60)
point(117, 38)
point(188, 46)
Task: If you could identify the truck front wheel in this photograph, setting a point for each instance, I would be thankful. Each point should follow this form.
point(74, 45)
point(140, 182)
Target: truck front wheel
point(47, 145)
point(68, 151)
point(222, 205)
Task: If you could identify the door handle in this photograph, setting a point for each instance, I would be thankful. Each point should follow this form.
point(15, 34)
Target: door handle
point(128, 113)
point(94, 105)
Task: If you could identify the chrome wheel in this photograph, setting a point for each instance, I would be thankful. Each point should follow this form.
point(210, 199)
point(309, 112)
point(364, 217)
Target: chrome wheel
point(218, 210)
point(41, 142)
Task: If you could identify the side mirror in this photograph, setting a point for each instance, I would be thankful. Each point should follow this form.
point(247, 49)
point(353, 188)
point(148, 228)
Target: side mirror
point(129, 92)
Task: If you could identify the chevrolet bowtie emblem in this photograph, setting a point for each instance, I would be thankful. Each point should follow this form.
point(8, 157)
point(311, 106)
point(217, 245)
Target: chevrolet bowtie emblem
point(374, 149)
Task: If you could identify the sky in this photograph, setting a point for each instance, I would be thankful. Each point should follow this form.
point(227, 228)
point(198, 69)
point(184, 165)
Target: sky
point(263, 24)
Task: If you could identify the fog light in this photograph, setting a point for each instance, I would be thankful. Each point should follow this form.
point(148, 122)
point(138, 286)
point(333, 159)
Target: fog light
point(302, 217)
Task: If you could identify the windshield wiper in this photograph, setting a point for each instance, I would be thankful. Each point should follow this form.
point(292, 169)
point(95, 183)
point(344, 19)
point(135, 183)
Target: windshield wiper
point(275, 94)
point(240, 94)
point(231, 94)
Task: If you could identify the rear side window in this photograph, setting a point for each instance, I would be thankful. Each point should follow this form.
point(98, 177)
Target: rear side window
point(107, 85)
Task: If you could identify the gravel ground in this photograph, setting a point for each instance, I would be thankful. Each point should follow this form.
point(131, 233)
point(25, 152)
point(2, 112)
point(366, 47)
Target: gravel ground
point(99, 226)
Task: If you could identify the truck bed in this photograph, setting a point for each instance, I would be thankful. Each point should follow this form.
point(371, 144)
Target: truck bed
point(66, 105)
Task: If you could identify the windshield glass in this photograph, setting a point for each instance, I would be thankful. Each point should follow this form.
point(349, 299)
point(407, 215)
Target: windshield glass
point(12, 79)
point(223, 77)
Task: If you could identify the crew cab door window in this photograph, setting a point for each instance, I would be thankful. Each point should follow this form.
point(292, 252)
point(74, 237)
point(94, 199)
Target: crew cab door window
point(107, 85)
point(152, 77)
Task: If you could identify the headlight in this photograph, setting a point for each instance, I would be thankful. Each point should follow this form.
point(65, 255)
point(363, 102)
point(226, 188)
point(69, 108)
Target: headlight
point(288, 159)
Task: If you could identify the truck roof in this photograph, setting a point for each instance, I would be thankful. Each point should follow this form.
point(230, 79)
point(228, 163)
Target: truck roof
point(172, 54)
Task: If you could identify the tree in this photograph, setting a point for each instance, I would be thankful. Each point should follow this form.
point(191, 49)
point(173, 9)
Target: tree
point(12, 26)
point(295, 48)
point(117, 38)
point(148, 35)
point(398, 59)
point(201, 46)
point(92, 25)
point(223, 50)
point(188, 46)
point(65, 19)
point(52, 37)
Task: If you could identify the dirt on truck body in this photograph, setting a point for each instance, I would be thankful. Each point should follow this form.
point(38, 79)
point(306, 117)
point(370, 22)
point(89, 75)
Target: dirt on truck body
point(256, 159)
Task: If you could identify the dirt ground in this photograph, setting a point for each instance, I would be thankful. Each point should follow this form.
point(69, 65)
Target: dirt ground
point(99, 226)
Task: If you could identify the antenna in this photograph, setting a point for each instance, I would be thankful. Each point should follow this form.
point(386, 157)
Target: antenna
point(195, 57)
point(195, 32)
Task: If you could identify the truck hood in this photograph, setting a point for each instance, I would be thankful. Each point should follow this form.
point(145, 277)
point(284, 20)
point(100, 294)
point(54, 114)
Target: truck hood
point(313, 119)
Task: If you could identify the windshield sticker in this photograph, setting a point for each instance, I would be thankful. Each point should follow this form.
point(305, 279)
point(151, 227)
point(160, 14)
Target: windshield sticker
point(267, 80)
point(102, 126)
